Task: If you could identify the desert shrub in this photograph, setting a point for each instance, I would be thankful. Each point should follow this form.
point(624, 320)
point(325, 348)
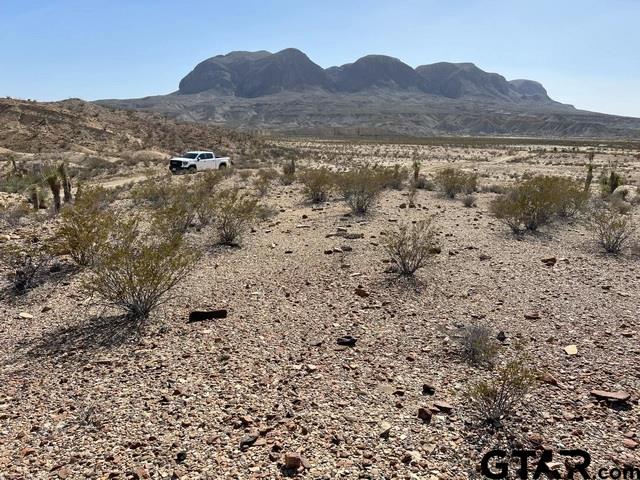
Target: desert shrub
point(424, 183)
point(393, 177)
point(234, 213)
point(85, 228)
point(177, 216)
point(154, 193)
point(412, 195)
point(411, 245)
point(415, 166)
point(478, 345)
point(493, 400)
point(65, 179)
point(55, 185)
point(135, 270)
point(25, 265)
point(360, 187)
point(13, 214)
point(18, 182)
point(609, 181)
point(469, 200)
point(289, 169)
point(453, 181)
point(37, 197)
point(493, 188)
point(611, 227)
point(317, 183)
point(535, 201)
point(245, 174)
point(262, 184)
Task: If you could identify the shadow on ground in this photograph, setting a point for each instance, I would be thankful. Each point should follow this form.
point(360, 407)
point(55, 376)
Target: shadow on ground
point(97, 333)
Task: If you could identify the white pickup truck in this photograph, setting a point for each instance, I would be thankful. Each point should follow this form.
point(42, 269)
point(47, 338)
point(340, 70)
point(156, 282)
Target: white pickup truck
point(192, 162)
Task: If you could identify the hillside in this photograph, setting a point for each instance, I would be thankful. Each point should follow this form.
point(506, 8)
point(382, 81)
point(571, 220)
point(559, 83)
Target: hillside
point(375, 95)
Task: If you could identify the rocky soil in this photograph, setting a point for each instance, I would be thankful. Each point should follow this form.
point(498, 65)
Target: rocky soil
point(269, 392)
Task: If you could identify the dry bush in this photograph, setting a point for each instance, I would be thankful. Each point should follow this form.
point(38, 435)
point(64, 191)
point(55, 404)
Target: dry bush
point(12, 215)
point(611, 227)
point(317, 183)
point(25, 266)
point(135, 271)
point(288, 173)
point(85, 228)
point(177, 216)
point(478, 345)
point(609, 181)
point(154, 193)
point(360, 187)
point(411, 245)
point(493, 400)
point(234, 213)
point(469, 200)
point(535, 201)
point(393, 177)
point(424, 183)
point(262, 184)
point(453, 181)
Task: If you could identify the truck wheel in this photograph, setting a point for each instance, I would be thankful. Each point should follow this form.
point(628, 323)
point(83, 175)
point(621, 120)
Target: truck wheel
point(222, 166)
point(191, 169)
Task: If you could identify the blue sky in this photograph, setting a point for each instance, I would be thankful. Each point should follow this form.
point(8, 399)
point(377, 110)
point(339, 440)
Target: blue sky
point(585, 52)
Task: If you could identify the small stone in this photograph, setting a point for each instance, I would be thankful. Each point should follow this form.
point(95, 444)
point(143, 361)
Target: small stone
point(385, 429)
point(618, 396)
point(630, 443)
point(181, 457)
point(248, 440)
point(428, 389)
point(548, 378)
point(292, 460)
point(501, 337)
point(443, 406)
point(347, 341)
point(202, 315)
point(532, 315)
point(25, 315)
point(549, 261)
point(361, 292)
point(425, 414)
point(571, 349)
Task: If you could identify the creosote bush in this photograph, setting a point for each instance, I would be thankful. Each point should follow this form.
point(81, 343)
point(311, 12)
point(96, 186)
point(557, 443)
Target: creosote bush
point(134, 271)
point(453, 181)
point(85, 227)
point(25, 265)
point(411, 245)
point(611, 227)
point(393, 177)
point(361, 188)
point(535, 202)
point(234, 213)
point(493, 400)
point(317, 183)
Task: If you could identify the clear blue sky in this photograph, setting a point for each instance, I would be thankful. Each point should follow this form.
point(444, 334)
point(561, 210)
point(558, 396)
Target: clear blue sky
point(585, 52)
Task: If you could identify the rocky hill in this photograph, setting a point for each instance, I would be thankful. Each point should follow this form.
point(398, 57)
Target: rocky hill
point(375, 95)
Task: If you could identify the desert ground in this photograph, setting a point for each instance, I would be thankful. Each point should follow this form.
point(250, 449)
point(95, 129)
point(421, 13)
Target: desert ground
point(232, 398)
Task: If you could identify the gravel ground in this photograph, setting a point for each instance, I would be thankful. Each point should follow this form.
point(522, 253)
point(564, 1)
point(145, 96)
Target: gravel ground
point(232, 398)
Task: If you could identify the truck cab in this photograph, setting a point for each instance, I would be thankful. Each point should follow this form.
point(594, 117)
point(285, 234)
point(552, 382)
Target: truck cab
point(196, 161)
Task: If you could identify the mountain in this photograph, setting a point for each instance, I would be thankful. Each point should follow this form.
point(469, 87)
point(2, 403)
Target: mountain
point(377, 94)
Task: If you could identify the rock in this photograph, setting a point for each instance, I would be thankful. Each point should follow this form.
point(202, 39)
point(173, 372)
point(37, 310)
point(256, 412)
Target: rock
point(443, 406)
point(181, 457)
point(347, 341)
point(202, 315)
point(402, 205)
point(571, 349)
point(248, 440)
point(618, 396)
point(425, 414)
point(361, 292)
point(328, 251)
point(384, 430)
point(630, 443)
point(532, 315)
point(428, 389)
point(536, 438)
point(25, 315)
point(484, 256)
point(501, 337)
point(546, 377)
point(292, 460)
point(549, 261)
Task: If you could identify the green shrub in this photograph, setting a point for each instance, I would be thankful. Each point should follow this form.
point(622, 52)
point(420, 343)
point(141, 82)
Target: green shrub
point(453, 181)
point(469, 200)
point(361, 188)
point(234, 213)
point(85, 228)
point(611, 227)
point(610, 181)
point(493, 400)
point(411, 245)
point(534, 202)
point(393, 177)
point(317, 183)
point(13, 214)
point(135, 271)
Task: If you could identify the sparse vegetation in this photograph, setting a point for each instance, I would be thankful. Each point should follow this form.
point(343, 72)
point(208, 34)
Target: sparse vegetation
point(25, 265)
point(135, 270)
point(235, 211)
point(453, 181)
point(410, 246)
point(478, 345)
point(612, 228)
point(318, 183)
point(493, 400)
point(360, 187)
